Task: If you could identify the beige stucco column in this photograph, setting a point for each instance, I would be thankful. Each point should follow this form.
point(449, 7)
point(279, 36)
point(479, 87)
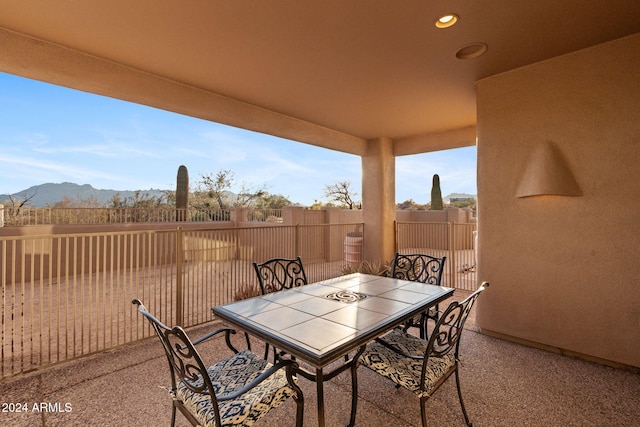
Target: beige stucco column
point(378, 199)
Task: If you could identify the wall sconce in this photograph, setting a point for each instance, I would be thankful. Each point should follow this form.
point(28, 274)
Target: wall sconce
point(547, 173)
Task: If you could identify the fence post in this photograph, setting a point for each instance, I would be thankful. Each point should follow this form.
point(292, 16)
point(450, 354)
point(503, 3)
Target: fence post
point(179, 260)
point(239, 215)
point(1, 215)
point(292, 215)
point(452, 254)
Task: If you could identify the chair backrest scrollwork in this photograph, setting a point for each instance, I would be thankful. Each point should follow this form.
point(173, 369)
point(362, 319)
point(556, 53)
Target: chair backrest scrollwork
point(418, 268)
point(446, 334)
point(280, 273)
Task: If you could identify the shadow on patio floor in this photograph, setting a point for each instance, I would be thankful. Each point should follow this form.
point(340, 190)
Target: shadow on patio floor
point(504, 384)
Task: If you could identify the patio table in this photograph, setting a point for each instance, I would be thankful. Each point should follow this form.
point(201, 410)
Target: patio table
point(322, 322)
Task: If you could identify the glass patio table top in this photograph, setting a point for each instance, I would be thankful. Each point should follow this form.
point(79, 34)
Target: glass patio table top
point(324, 321)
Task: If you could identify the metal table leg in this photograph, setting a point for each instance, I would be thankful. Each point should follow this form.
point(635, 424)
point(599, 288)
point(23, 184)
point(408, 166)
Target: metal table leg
point(320, 392)
point(320, 377)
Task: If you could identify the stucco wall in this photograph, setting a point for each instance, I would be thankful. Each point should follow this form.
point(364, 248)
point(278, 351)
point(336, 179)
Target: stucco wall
point(564, 271)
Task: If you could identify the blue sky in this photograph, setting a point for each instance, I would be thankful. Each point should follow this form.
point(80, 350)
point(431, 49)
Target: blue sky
point(53, 134)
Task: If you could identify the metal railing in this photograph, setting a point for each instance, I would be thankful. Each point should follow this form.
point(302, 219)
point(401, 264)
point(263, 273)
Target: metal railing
point(27, 215)
point(456, 241)
point(264, 215)
point(69, 295)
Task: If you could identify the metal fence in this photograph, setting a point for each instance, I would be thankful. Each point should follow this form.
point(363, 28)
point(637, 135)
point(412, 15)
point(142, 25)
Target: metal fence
point(456, 241)
point(69, 295)
point(28, 215)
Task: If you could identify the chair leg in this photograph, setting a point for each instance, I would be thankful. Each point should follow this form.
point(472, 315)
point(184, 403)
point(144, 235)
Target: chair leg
point(298, 396)
point(299, 409)
point(299, 413)
point(423, 326)
point(354, 393)
point(464, 410)
point(173, 415)
point(246, 337)
point(266, 351)
point(423, 410)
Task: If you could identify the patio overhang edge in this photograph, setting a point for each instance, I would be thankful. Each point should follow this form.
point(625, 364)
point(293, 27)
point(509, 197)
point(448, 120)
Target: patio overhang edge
point(453, 138)
point(36, 59)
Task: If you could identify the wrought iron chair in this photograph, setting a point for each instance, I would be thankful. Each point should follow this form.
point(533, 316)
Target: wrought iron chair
point(423, 366)
point(419, 268)
point(236, 391)
point(280, 273)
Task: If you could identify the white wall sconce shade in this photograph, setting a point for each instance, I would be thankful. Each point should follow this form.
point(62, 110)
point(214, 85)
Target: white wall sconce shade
point(547, 173)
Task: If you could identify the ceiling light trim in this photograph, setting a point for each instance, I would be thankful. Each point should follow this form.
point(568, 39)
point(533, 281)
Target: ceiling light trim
point(472, 51)
point(447, 21)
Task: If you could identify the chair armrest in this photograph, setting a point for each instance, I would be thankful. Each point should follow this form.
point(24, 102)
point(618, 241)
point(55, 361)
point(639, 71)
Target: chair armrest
point(227, 337)
point(397, 350)
point(290, 367)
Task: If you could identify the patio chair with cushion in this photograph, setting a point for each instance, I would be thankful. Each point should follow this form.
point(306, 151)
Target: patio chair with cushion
point(280, 273)
point(236, 391)
point(423, 366)
point(419, 268)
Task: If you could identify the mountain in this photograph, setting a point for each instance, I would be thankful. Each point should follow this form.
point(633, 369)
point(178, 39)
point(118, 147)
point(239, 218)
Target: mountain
point(49, 194)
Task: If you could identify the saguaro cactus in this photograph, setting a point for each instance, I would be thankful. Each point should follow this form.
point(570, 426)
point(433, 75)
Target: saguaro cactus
point(182, 193)
point(436, 194)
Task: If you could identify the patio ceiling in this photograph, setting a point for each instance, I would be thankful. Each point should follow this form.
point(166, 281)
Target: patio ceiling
point(333, 73)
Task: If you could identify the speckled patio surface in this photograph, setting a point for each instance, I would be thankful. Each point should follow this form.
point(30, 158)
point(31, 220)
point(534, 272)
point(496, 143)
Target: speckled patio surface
point(504, 384)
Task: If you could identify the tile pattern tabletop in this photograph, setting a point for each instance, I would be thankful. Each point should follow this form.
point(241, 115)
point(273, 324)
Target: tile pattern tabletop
point(319, 329)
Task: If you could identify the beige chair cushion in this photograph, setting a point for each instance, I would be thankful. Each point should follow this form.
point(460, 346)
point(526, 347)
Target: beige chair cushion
point(402, 370)
point(230, 375)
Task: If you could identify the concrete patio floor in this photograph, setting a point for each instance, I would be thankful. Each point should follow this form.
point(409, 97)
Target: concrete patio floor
point(504, 384)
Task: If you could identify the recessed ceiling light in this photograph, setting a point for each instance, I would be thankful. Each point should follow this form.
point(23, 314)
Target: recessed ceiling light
point(446, 21)
point(471, 51)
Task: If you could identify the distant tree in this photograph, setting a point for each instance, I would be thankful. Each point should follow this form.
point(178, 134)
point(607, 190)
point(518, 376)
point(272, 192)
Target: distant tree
point(467, 203)
point(213, 191)
point(249, 197)
point(22, 200)
point(170, 197)
point(144, 200)
point(407, 204)
point(410, 204)
point(272, 201)
point(210, 191)
point(115, 201)
point(70, 202)
point(138, 200)
point(16, 204)
point(343, 195)
point(77, 210)
point(317, 205)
